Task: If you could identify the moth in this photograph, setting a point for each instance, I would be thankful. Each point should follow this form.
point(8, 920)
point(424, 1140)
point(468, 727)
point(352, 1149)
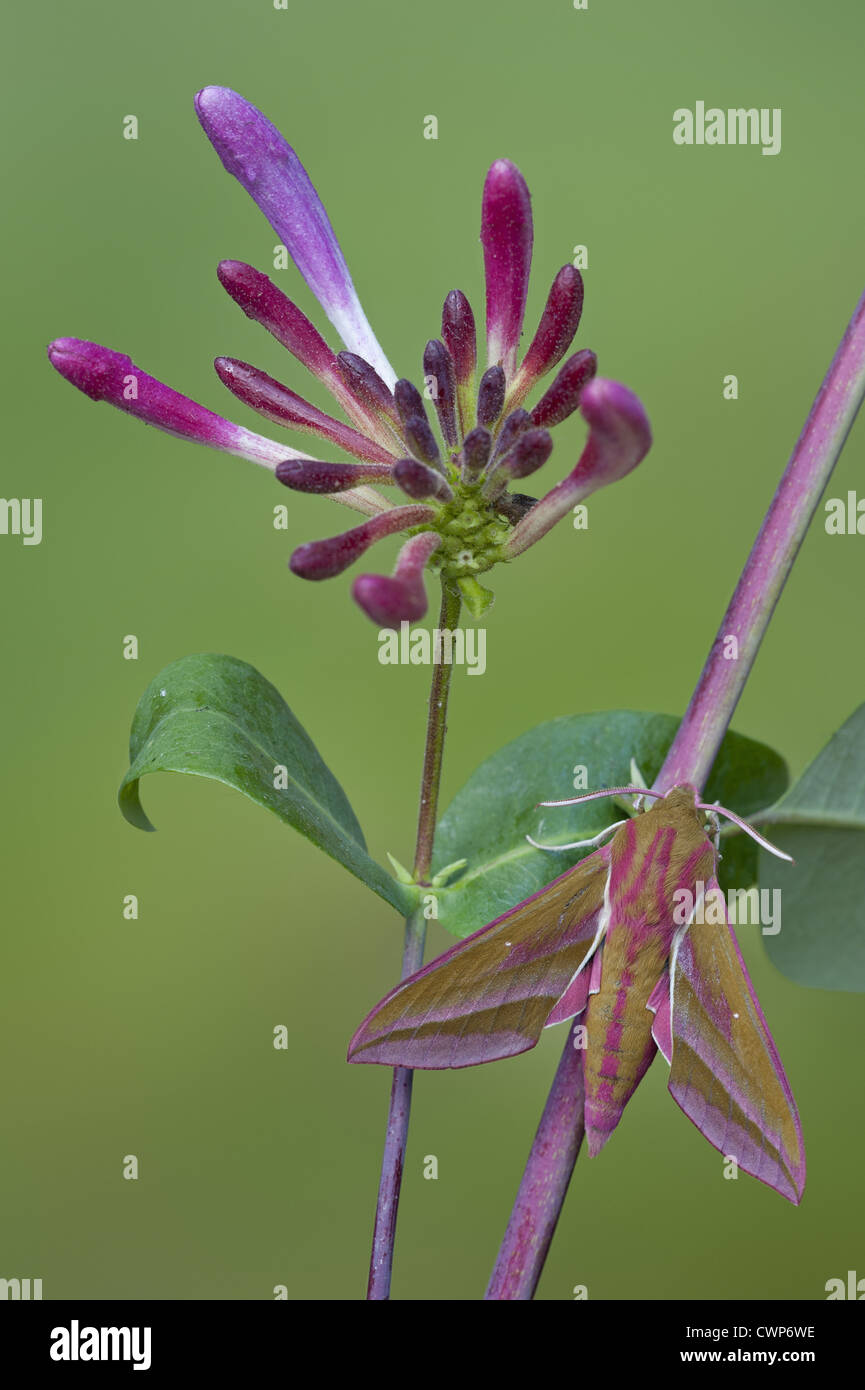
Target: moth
point(601, 945)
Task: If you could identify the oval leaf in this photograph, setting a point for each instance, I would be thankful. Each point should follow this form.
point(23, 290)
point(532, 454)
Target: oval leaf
point(214, 716)
point(488, 820)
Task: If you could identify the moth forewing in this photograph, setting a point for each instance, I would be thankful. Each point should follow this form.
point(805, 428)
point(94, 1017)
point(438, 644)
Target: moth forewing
point(490, 995)
point(725, 1071)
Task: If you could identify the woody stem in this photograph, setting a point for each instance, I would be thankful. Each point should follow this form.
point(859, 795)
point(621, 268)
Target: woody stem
point(399, 1108)
point(692, 753)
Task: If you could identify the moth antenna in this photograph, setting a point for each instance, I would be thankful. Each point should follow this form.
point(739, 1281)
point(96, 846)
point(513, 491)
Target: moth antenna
point(610, 791)
point(579, 844)
point(749, 829)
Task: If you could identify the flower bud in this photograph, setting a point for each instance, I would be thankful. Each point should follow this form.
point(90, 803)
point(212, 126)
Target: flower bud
point(408, 399)
point(324, 559)
point(303, 475)
point(476, 453)
point(563, 397)
point(555, 333)
point(401, 597)
point(437, 365)
point(419, 482)
point(421, 440)
point(530, 453)
point(491, 396)
point(367, 387)
point(105, 375)
point(276, 402)
point(458, 331)
point(506, 237)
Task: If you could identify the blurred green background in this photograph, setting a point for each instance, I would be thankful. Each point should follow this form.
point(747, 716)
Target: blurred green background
point(153, 1037)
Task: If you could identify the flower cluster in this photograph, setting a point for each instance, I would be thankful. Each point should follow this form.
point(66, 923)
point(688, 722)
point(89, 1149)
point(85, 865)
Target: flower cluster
point(455, 471)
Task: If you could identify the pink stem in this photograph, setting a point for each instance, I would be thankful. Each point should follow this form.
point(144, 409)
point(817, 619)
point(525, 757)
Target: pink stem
point(544, 1185)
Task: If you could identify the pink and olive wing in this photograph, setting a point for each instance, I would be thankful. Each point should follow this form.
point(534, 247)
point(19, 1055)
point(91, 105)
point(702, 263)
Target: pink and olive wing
point(726, 1073)
point(491, 995)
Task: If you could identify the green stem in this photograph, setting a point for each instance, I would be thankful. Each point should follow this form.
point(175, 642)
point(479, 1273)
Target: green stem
point(435, 743)
point(399, 1108)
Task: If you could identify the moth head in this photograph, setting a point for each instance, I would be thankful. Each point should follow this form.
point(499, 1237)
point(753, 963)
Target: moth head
point(679, 800)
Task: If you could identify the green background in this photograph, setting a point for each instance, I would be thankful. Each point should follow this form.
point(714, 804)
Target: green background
point(153, 1037)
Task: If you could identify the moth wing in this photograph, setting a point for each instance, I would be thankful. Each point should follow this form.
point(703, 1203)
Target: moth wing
point(662, 1030)
point(491, 995)
point(726, 1073)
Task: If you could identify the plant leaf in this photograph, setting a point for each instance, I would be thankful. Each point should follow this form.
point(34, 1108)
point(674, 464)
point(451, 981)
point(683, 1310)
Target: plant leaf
point(214, 716)
point(821, 822)
point(488, 820)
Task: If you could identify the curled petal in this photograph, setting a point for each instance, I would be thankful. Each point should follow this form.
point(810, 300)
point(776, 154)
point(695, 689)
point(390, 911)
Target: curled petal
point(506, 236)
point(619, 438)
point(419, 482)
point(620, 435)
point(491, 396)
point(559, 322)
point(276, 402)
point(303, 475)
point(438, 365)
point(401, 597)
point(105, 375)
point(563, 397)
point(324, 559)
point(258, 156)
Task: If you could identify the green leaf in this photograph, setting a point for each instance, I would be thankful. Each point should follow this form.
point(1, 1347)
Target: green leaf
point(217, 717)
point(488, 820)
point(821, 822)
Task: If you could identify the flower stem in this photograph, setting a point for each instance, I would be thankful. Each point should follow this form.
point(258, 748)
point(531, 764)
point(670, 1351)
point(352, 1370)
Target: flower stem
point(690, 758)
point(399, 1109)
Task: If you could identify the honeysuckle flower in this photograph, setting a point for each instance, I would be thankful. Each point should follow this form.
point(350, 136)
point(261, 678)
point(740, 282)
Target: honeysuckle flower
point(454, 464)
